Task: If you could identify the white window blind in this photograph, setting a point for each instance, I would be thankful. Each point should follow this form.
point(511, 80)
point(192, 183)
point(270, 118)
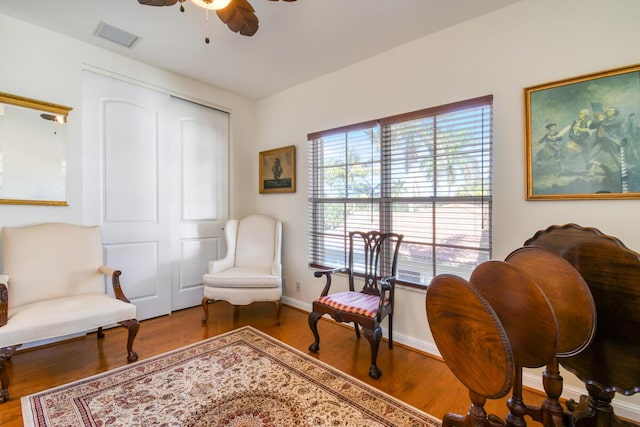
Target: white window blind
point(425, 174)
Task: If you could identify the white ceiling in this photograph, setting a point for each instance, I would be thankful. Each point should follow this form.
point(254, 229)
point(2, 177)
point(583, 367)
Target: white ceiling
point(296, 41)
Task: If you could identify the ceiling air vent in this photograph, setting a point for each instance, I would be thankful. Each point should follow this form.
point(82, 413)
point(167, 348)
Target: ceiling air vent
point(116, 35)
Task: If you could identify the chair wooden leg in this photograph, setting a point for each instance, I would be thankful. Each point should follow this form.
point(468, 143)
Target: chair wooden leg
point(374, 336)
point(5, 355)
point(132, 325)
point(4, 382)
point(313, 324)
point(390, 316)
point(357, 328)
point(278, 306)
point(100, 333)
point(205, 307)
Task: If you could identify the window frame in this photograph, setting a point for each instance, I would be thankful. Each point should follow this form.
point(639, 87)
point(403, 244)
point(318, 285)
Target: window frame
point(385, 201)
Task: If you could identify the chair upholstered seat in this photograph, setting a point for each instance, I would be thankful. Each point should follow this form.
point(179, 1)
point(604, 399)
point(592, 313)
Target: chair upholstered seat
point(352, 302)
point(251, 270)
point(241, 296)
point(242, 277)
point(33, 322)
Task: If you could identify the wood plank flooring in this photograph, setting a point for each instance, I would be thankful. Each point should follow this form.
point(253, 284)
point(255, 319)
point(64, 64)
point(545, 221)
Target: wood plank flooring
point(409, 375)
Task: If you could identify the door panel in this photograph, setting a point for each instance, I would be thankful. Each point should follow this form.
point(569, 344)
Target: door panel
point(145, 257)
point(195, 253)
point(198, 177)
point(130, 156)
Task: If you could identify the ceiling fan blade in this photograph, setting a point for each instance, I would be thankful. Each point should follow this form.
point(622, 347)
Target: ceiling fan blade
point(159, 2)
point(240, 17)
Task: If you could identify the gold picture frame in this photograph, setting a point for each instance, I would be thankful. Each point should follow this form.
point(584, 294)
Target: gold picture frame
point(583, 137)
point(277, 170)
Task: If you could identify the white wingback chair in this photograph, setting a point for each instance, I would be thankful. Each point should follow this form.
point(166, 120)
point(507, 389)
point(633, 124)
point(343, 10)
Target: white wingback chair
point(251, 270)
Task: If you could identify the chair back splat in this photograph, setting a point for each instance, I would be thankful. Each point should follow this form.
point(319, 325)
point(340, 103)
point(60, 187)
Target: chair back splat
point(373, 264)
point(374, 256)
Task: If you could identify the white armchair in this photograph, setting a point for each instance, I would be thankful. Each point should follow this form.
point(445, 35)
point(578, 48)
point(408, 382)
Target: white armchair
point(251, 270)
point(53, 286)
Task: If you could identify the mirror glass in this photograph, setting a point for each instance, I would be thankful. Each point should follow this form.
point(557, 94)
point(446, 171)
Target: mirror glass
point(33, 147)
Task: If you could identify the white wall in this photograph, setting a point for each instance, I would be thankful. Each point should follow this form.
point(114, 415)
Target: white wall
point(40, 64)
point(526, 44)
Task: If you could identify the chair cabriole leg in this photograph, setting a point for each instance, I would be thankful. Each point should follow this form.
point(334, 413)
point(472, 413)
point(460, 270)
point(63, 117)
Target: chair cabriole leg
point(205, 307)
point(278, 306)
point(313, 324)
point(132, 325)
point(5, 355)
point(374, 336)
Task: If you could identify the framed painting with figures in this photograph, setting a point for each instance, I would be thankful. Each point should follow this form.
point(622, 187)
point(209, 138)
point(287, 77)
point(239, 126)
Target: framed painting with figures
point(583, 137)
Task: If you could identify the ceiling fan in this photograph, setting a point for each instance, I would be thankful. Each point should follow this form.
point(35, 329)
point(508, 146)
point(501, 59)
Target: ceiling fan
point(237, 14)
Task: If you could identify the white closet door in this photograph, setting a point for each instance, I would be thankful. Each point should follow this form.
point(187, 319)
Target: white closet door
point(141, 151)
point(200, 161)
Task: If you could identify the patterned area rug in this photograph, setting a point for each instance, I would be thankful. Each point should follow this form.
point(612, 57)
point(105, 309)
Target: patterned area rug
point(243, 378)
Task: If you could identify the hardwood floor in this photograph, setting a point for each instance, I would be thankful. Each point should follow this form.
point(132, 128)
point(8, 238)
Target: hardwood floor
point(409, 375)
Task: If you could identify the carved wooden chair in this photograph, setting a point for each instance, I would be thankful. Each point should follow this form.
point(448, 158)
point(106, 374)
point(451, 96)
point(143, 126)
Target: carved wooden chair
point(374, 256)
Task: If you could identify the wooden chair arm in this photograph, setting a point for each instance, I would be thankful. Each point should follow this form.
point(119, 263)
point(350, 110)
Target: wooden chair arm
point(4, 304)
point(115, 281)
point(387, 285)
point(328, 273)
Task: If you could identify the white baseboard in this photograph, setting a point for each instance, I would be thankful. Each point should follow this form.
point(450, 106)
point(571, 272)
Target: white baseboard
point(296, 303)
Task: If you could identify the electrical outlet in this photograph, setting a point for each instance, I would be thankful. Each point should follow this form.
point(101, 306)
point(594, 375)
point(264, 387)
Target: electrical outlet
point(298, 286)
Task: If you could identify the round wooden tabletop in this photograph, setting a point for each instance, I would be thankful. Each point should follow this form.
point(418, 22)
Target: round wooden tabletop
point(567, 293)
point(523, 310)
point(469, 336)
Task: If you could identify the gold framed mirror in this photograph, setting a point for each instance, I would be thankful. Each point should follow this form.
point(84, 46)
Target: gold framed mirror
point(33, 151)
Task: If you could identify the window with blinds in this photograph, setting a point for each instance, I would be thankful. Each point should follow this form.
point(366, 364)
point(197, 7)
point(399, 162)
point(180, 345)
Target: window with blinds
point(425, 174)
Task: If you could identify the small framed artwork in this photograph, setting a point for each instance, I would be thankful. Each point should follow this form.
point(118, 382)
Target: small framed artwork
point(278, 170)
point(583, 137)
